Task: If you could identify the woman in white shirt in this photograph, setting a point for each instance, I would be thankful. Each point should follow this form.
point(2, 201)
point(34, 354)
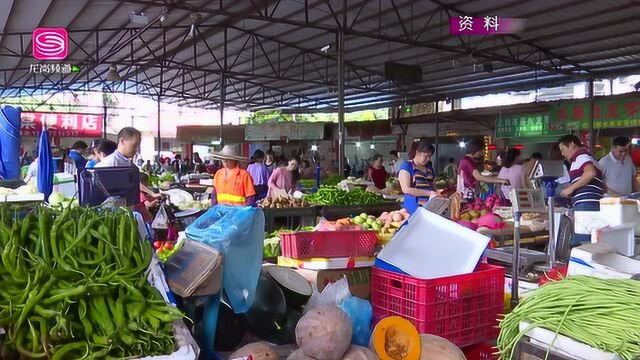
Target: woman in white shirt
point(512, 171)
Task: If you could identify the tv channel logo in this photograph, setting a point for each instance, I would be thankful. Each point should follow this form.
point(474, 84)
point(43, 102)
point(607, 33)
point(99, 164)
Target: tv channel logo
point(50, 43)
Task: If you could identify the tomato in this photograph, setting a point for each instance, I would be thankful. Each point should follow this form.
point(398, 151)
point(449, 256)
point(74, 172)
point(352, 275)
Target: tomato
point(157, 245)
point(168, 246)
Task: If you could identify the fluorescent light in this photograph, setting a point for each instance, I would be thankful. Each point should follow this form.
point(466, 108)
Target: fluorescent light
point(462, 145)
point(358, 144)
point(325, 48)
point(216, 142)
point(314, 147)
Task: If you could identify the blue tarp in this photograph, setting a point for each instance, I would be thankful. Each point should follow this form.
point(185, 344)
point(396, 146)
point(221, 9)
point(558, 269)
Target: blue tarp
point(238, 233)
point(45, 165)
point(10, 142)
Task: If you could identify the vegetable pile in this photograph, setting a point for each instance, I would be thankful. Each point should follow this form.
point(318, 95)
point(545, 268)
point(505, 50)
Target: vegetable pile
point(601, 313)
point(283, 202)
point(333, 196)
point(73, 285)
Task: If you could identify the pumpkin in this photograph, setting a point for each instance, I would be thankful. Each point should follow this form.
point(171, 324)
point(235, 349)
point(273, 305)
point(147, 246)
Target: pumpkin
point(299, 355)
point(355, 352)
point(438, 348)
point(395, 338)
point(324, 333)
point(258, 351)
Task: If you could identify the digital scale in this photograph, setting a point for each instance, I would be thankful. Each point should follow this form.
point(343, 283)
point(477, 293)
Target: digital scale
point(543, 177)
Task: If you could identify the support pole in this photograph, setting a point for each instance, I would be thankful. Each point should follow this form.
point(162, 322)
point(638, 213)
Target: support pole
point(437, 167)
point(223, 89)
point(592, 105)
point(341, 129)
point(104, 116)
point(159, 138)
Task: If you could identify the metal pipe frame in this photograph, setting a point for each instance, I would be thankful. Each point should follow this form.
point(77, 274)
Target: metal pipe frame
point(283, 74)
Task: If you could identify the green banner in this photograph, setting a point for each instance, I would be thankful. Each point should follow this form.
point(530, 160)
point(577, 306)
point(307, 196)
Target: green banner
point(607, 114)
point(563, 118)
point(526, 125)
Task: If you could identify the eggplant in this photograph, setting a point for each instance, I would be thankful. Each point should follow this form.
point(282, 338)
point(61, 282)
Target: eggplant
point(268, 310)
point(296, 289)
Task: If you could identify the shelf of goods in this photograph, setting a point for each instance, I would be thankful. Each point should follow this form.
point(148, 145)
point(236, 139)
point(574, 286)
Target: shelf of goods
point(342, 211)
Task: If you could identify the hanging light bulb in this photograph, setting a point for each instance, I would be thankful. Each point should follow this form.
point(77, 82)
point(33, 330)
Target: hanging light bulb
point(372, 147)
point(358, 144)
point(314, 147)
point(462, 144)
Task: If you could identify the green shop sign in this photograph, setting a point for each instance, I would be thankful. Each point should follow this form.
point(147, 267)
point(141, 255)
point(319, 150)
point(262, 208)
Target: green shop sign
point(563, 118)
point(527, 125)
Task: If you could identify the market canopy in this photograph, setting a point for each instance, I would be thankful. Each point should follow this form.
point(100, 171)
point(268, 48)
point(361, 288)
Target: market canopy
point(282, 53)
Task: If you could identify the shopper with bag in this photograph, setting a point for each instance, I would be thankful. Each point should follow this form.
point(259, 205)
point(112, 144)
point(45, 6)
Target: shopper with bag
point(233, 185)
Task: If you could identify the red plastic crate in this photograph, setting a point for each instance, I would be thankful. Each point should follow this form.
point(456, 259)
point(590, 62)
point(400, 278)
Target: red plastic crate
point(463, 309)
point(327, 244)
point(481, 352)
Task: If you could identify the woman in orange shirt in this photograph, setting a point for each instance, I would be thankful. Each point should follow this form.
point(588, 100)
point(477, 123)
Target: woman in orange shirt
point(233, 185)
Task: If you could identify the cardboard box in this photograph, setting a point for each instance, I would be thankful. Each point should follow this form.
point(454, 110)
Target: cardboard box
point(359, 279)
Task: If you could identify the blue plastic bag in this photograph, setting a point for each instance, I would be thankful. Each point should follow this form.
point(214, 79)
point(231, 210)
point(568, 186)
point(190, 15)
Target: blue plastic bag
point(360, 313)
point(238, 233)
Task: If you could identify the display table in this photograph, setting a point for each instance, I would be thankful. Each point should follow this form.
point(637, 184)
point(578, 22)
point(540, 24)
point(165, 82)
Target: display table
point(294, 217)
point(504, 237)
point(337, 212)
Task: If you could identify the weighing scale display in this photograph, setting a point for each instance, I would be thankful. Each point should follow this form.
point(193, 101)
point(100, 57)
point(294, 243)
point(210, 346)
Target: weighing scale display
point(527, 200)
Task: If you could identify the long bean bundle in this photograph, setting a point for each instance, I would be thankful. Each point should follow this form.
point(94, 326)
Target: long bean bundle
point(602, 313)
point(73, 285)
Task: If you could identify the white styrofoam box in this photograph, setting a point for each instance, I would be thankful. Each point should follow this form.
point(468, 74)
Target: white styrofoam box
point(617, 211)
point(430, 246)
point(600, 260)
point(524, 288)
point(564, 344)
point(621, 238)
point(585, 222)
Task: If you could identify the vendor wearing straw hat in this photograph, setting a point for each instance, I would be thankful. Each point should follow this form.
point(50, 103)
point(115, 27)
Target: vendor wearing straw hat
point(233, 185)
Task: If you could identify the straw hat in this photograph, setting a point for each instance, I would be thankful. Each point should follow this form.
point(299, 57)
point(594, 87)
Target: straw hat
point(229, 152)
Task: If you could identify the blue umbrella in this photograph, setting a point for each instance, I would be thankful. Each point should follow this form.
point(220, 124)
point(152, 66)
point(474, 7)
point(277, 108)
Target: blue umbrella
point(10, 142)
point(45, 165)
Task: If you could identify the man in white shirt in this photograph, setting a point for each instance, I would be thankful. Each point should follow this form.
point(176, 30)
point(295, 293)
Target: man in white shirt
point(128, 145)
point(618, 169)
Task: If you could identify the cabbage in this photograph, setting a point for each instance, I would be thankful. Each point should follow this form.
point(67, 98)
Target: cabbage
point(56, 199)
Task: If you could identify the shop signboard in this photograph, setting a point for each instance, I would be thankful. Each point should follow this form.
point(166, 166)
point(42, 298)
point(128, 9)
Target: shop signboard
point(278, 131)
point(62, 124)
point(566, 117)
point(607, 114)
point(524, 125)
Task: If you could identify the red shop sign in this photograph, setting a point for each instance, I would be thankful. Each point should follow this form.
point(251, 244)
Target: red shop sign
point(61, 124)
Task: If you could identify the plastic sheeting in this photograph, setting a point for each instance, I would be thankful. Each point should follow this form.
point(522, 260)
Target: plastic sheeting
point(238, 233)
point(45, 165)
point(10, 142)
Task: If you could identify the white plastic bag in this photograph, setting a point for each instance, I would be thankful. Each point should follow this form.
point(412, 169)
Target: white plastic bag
point(333, 294)
point(161, 221)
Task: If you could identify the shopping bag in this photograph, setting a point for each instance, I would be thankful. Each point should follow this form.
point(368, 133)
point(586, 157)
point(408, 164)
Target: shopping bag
point(238, 233)
point(161, 221)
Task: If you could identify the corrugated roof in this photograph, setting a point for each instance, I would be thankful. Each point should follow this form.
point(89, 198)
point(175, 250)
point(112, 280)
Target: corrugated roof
point(273, 48)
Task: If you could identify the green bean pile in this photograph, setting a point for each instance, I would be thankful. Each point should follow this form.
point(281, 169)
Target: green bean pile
point(602, 313)
point(73, 285)
point(335, 196)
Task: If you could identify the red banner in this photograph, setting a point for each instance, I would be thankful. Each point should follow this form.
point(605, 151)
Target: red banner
point(62, 124)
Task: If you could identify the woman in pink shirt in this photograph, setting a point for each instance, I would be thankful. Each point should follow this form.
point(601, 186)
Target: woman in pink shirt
point(512, 171)
point(469, 177)
point(284, 179)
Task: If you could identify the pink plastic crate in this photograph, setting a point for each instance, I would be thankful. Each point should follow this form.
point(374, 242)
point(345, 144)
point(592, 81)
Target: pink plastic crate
point(327, 244)
point(481, 352)
point(463, 309)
